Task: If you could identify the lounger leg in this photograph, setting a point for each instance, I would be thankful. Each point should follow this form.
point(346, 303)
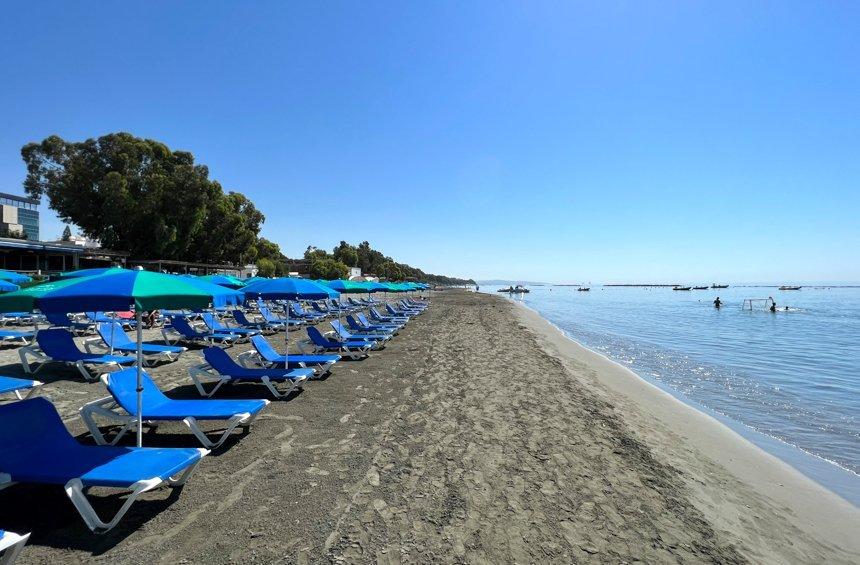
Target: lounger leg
point(87, 375)
point(102, 407)
point(75, 492)
point(194, 373)
point(237, 420)
point(14, 550)
point(296, 384)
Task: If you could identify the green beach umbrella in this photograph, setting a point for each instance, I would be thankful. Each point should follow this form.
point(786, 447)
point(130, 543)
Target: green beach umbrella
point(119, 291)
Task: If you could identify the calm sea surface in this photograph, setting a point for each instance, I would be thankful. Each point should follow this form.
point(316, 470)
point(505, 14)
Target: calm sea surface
point(788, 381)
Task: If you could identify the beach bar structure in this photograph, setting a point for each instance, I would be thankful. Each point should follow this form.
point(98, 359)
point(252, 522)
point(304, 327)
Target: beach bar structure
point(42, 257)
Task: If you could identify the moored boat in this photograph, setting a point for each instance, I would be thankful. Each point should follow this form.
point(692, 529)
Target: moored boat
point(519, 289)
point(681, 288)
point(715, 285)
point(700, 288)
point(789, 287)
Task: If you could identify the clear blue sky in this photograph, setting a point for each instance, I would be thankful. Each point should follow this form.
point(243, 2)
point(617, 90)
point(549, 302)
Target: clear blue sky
point(554, 141)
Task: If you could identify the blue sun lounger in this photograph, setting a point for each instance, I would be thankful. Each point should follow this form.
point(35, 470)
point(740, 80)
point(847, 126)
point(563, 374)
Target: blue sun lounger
point(298, 312)
point(180, 330)
point(74, 326)
point(367, 323)
point(11, 545)
point(18, 386)
point(374, 313)
point(13, 336)
point(358, 327)
point(213, 323)
point(39, 449)
point(354, 349)
point(58, 345)
point(222, 367)
point(275, 322)
point(112, 336)
point(402, 313)
point(244, 322)
point(264, 355)
point(344, 334)
point(121, 407)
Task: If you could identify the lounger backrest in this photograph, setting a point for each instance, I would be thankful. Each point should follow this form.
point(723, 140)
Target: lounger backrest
point(240, 318)
point(319, 339)
point(219, 360)
point(122, 385)
point(212, 321)
point(182, 326)
point(58, 344)
point(112, 333)
point(28, 426)
point(267, 315)
point(341, 331)
point(363, 319)
point(55, 319)
point(263, 347)
point(353, 324)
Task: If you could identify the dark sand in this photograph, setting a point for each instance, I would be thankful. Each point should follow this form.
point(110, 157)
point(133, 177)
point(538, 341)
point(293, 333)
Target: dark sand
point(462, 441)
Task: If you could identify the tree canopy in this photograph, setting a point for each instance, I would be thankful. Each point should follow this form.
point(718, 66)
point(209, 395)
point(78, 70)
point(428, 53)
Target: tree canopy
point(137, 195)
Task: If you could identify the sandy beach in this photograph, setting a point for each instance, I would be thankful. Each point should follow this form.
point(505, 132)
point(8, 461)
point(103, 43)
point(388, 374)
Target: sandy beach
point(480, 434)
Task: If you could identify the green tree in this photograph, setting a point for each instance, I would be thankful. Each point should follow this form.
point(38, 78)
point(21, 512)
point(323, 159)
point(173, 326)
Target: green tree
point(346, 254)
point(137, 195)
point(67, 234)
point(327, 268)
point(265, 268)
point(12, 234)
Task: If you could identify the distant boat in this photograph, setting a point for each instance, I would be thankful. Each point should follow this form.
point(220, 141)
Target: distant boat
point(519, 289)
point(715, 285)
point(681, 288)
point(583, 289)
point(700, 288)
point(789, 288)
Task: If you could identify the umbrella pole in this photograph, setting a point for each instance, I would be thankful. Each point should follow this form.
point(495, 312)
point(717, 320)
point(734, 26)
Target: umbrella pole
point(287, 338)
point(139, 320)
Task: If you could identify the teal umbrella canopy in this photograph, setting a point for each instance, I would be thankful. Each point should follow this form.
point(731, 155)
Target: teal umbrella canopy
point(119, 290)
point(224, 280)
point(89, 272)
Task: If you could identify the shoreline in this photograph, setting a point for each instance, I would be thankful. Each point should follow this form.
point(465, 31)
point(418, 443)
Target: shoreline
point(843, 482)
point(808, 505)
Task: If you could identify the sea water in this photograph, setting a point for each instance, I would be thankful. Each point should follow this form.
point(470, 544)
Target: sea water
point(788, 381)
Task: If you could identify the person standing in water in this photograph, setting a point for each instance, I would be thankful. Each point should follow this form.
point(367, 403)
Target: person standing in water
point(717, 303)
point(772, 304)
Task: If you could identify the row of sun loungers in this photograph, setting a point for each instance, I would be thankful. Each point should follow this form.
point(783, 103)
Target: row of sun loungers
point(39, 449)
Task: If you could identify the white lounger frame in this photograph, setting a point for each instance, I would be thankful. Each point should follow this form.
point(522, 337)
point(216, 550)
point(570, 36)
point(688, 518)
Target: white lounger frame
point(25, 340)
point(108, 408)
point(75, 490)
point(39, 357)
point(11, 545)
point(253, 360)
point(206, 370)
point(97, 345)
point(34, 386)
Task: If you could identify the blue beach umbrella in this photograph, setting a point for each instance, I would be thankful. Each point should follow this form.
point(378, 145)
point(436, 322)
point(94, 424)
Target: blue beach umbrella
point(117, 291)
point(289, 289)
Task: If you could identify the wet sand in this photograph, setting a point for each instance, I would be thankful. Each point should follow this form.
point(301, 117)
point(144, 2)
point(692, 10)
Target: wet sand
point(479, 434)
